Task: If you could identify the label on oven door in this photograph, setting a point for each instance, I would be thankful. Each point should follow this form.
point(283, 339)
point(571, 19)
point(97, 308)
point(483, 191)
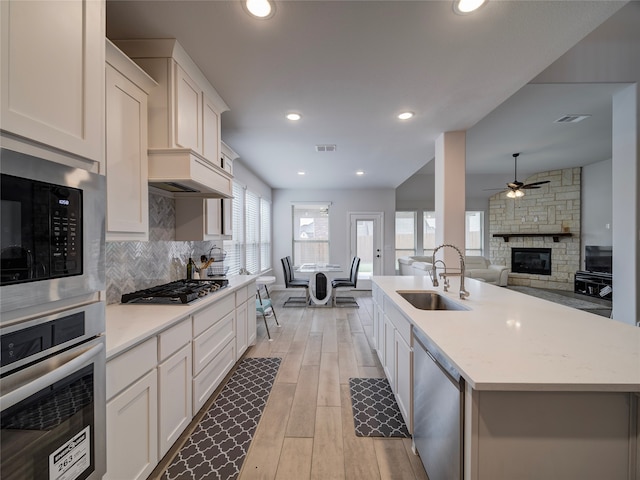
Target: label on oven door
point(71, 459)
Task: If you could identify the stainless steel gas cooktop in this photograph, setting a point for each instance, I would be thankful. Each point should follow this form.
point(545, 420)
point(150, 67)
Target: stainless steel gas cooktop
point(179, 292)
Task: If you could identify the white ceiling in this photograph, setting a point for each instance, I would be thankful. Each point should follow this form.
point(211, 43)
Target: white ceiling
point(349, 67)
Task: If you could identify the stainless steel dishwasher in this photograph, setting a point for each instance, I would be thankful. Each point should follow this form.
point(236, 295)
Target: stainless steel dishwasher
point(438, 409)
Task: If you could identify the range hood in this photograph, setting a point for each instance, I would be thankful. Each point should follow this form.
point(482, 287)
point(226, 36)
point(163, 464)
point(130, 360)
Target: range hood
point(184, 172)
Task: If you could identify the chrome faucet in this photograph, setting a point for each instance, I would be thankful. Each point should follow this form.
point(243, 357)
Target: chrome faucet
point(434, 275)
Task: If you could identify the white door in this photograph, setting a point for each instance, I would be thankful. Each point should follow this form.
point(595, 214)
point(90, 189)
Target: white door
point(365, 239)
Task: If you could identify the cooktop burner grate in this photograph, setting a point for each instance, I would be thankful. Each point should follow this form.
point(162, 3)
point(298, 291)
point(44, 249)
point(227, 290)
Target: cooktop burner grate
point(179, 292)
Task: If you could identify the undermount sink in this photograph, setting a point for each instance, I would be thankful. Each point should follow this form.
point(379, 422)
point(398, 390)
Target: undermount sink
point(428, 300)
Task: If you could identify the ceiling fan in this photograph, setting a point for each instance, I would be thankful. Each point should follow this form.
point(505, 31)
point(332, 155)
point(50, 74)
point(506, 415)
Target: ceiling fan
point(516, 187)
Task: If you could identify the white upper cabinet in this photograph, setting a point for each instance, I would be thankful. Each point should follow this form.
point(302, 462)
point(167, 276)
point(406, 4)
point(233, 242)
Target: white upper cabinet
point(52, 80)
point(127, 86)
point(184, 120)
point(188, 112)
point(211, 129)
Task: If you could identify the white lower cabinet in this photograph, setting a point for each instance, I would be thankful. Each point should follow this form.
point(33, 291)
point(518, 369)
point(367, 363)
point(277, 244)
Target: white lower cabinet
point(389, 363)
point(155, 388)
point(174, 399)
point(396, 355)
point(132, 430)
point(404, 375)
point(206, 382)
point(242, 330)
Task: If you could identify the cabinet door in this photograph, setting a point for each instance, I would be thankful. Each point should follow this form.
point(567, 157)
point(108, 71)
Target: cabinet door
point(188, 111)
point(126, 159)
point(211, 131)
point(389, 363)
point(242, 329)
point(403, 377)
point(132, 430)
point(213, 217)
point(174, 401)
point(227, 216)
point(53, 74)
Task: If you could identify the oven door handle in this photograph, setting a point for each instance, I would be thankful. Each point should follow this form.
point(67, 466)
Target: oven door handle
point(28, 389)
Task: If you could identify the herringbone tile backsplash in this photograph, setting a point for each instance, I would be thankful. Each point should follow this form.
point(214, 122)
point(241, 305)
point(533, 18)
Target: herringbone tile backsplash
point(132, 266)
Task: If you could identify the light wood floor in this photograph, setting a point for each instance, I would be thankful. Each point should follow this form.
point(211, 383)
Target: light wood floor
point(306, 431)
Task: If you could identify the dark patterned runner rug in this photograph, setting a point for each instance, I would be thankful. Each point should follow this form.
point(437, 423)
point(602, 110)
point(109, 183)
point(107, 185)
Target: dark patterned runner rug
point(218, 445)
point(375, 411)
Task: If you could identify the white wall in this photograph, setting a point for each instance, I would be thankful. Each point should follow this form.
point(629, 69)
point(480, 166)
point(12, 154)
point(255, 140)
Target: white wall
point(342, 202)
point(610, 54)
point(246, 177)
point(597, 197)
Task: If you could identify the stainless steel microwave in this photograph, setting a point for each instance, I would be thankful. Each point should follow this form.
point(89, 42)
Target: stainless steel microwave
point(51, 231)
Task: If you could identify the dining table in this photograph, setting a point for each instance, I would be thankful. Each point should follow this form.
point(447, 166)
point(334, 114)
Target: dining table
point(319, 282)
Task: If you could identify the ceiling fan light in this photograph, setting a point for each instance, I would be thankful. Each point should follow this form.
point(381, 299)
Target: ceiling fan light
point(515, 193)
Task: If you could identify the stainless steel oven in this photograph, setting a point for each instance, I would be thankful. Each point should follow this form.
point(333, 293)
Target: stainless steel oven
point(52, 386)
point(52, 231)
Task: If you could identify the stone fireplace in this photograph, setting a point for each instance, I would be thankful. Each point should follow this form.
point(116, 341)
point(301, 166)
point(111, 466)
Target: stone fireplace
point(533, 220)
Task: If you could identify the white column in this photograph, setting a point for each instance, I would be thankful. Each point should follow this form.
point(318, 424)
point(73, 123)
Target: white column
point(450, 194)
point(626, 205)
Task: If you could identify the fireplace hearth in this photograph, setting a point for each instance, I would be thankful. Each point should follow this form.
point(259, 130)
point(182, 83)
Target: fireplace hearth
point(535, 261)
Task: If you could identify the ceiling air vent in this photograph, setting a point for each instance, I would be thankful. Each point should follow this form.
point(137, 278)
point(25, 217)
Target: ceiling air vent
point(574, 118)
point(325, 148)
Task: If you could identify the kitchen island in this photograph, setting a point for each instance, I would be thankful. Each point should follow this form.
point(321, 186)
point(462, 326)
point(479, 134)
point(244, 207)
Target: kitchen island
point(549, 391)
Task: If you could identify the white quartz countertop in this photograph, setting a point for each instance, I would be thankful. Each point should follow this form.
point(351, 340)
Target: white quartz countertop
point(130, 324)
point(513, 341)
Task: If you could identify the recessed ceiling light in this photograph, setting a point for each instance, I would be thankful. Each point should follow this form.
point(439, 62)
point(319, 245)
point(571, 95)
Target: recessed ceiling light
point(360, 172)
point(302, 172)
point(294, 117)
point(259, 8)
point(463, 7)
point(405, 115)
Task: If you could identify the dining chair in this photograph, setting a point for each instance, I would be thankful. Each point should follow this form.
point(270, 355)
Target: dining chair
point(346, 283)
point(264, 306)
point(291, 282)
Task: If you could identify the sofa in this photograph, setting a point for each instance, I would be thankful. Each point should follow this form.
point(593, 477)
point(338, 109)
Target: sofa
point(476, 267)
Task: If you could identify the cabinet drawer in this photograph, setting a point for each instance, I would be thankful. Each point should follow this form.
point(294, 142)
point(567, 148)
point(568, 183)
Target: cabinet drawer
point(398, 319)
point(208, 380)
point(173, 339)
point(208, 344)
point(125, 369)
point(242, 295)
point(210, 315)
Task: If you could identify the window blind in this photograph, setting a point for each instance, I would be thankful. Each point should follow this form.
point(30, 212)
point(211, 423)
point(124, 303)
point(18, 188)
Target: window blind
point(265, 234)
point(235, 246)
point(252, 232)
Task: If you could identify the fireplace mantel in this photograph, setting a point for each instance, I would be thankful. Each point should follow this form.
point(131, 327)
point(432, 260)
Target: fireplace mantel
point(555, 236)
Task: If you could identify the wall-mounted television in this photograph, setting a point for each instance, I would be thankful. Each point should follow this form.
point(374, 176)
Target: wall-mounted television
point(598, 259)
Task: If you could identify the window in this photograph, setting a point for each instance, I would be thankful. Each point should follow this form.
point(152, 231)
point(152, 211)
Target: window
point(235, 246)
point(252, 232)
point(428, 232)
point(310, 233)
point(265, 235)
point(474, 233)
point(250, 245)
point(405, 234)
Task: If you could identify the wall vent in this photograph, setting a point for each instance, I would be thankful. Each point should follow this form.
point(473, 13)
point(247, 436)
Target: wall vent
point(573, 118)
point(325, 148)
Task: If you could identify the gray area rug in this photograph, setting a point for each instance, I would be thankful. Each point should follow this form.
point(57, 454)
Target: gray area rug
point(559, 298)
point(375, 411)
point(218, 445)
